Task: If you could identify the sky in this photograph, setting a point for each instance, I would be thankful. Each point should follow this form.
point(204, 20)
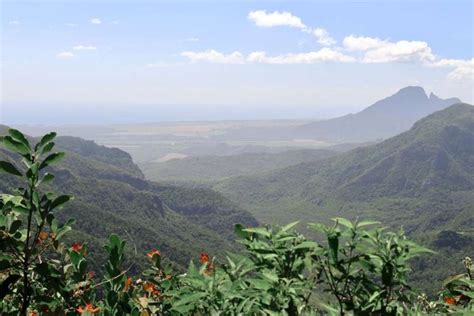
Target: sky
point(131, 61)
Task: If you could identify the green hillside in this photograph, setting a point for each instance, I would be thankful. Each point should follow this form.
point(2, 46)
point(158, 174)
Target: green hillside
point(111, 196)
point(214, 168)
point(422, 179)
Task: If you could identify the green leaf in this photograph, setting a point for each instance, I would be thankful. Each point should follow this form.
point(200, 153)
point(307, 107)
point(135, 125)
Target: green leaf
point(45, 139)
point(53, 158)
point(190, 298)
point(289, 226)
point(48, 177)
point(21, 209)
point(260, 284)
point(9, 168)
point(239, 231)
point(17, 135)
point(367, 223)
point(344, 222)
point(5, 288)
point(306, 245)
point(47, 148)
point(15, 145)
point(63, 230)
point(59, 201)
point(270, 276)
point(183, 309)
point(259, 231)
point(333, 241)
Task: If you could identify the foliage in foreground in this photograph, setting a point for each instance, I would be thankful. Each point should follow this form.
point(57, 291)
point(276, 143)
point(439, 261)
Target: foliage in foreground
point(360, 269)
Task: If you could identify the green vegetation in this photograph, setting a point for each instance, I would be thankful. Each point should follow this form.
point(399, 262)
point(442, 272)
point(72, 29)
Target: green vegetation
point(358, 269)
point(422, 180)
point(110, 199)
point(214, 168)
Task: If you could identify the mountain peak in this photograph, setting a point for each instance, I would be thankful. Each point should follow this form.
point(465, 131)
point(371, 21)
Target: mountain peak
point(412, 91)
point(434, 97)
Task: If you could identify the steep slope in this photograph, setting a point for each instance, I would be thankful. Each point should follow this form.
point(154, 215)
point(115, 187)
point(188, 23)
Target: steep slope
point(110, 195)
point(214, 168)
point(383, 119)
point(436, 154)
point(422, 179)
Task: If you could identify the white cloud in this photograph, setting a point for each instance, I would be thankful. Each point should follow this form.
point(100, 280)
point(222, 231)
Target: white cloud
point(276, 18)
point(82, 47)
point(384, 51)
point(213, 56)
point(323, 37)
point(14, 22)
point(362, 43)
point(323, 55)
point(95, 21)
point(400, 51)
point(463, 69)
point(65, 55)
point(71, 24)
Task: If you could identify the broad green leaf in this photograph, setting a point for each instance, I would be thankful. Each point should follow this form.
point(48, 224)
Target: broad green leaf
point(260, 284)
point(17, 135)
point(9, 168)
point(259, 231)
point(53, 158)
point(48, 177)
point(46, 139)
point(15, 145)
point(63, 230)
point(59, 201)
point(47, 148)
point(189, 298)
point(270, 275)
point(21, 209)
point(344, 222)
point(239, 231)
point(289, 226)
point(6, 285)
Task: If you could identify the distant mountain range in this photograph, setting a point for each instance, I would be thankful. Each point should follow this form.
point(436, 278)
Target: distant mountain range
point(111, 196)
point(383, 119)
point(422, 179)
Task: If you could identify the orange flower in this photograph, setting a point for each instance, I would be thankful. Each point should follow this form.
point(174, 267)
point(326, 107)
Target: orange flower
point(88, 308)
point(153, 252)
point(148, 287)
point(204, 257)
point(449, 300)
point(77, 247)
point(43, 235)
point(33, 313)
point(128, 283)
point(151, 288)
point(90, 274)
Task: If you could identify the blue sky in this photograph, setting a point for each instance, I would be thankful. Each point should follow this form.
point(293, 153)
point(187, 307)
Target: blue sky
point(76, 61)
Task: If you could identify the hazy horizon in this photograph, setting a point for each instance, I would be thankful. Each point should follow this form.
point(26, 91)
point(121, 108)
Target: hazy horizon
point(79, 62)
